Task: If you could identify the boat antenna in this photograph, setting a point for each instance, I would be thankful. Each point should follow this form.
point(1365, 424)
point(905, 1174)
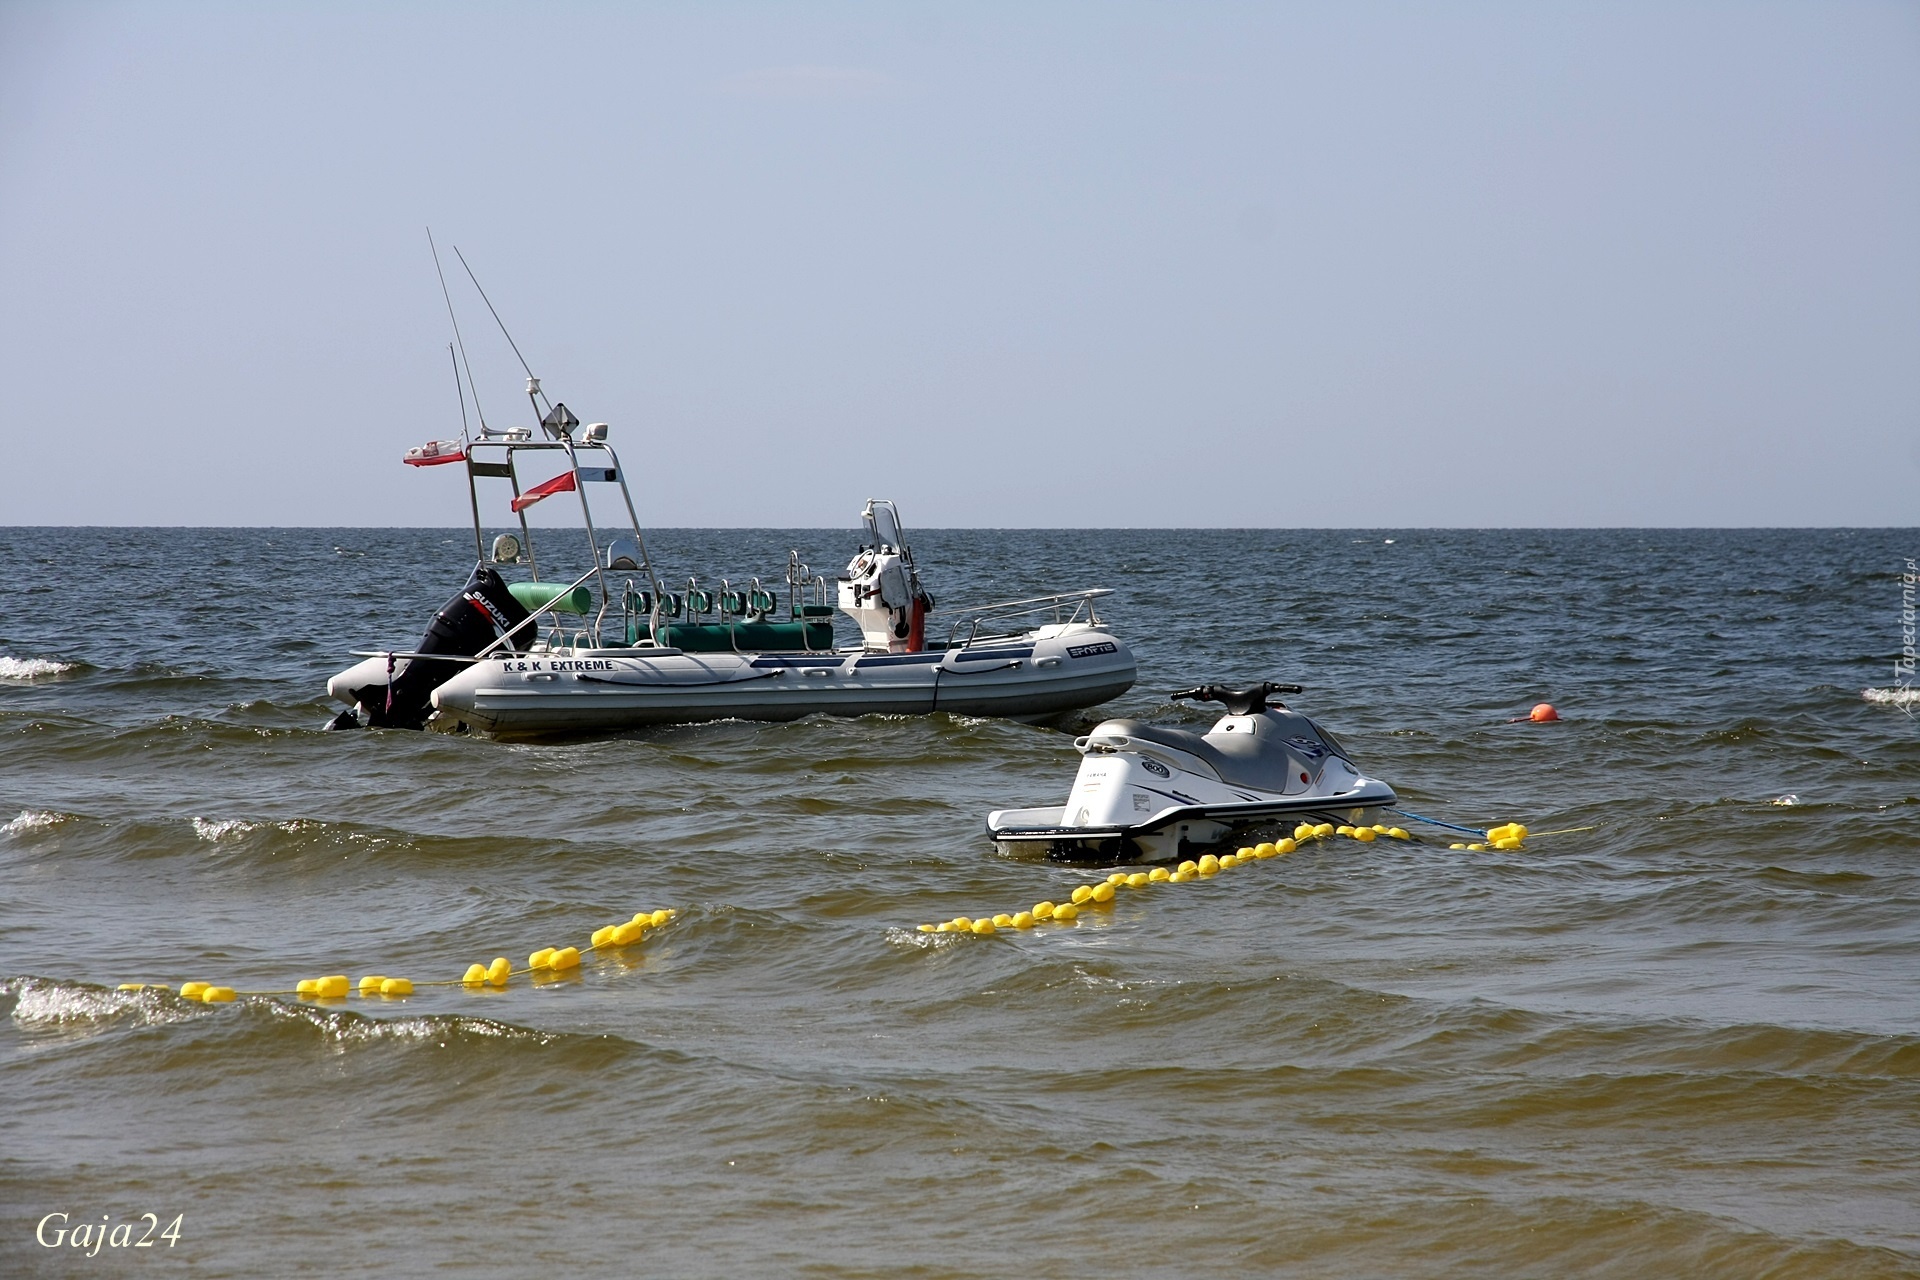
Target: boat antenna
point(460, 391)
point(466, 447)
point(481, 413)
point(533, 383)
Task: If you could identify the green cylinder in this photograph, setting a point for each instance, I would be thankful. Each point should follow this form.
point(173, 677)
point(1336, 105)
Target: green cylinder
point(535, 596)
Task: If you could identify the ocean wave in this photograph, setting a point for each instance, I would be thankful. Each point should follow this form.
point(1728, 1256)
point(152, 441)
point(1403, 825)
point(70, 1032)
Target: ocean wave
point(31, 820)
point(216, 829)
point(33, 668)
point(46, 1004)
point(1905, 696)
point(67, 1009)
point(344, 1028)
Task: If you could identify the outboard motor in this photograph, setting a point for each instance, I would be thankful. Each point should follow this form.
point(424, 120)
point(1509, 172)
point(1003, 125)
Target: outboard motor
point(482, 612)
point(881, 588)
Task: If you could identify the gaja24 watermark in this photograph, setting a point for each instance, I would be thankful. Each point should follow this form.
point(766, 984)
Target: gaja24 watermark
point(142, 1232)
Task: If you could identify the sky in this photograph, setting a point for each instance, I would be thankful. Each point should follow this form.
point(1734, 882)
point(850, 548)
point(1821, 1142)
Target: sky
point(1013, 265)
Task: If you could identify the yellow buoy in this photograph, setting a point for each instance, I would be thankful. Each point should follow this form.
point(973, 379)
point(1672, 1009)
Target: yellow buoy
point(1065, 911)
point(566, 958)
point(1365, 835)
point(1138, 880)
point(307, 987)
point(1188, 866)
point(476, 975)
point(1456, 846)
point(499, 971)
point(642, 918)
point(1182, 876)
point(1343, 830)
point(1116, 877)
point(602, 936)
point(1043, 910)
point(1081, 893)
point(983, 927)
point(1324, 829)
point(1507, 845)
point(1519, 832)
point(1303, 831)
point(1003, 921)
point(1398, 833)
point(332, 987)
point(1230, 860)
point(192, 990)
point(217, 995)
point(661, 916)
point(541, 959)
point(1381, 828)
point(1103, 893)
point(371, 983)
point(963, 922)
point(627, 934)
point(1476, 848)
point(945, 926)
point(1207, 865)
point(1159, 875)
point(1265, 849)
point(1286, 846)
point(926, 928)
point(1023, 919)
point(396, 987)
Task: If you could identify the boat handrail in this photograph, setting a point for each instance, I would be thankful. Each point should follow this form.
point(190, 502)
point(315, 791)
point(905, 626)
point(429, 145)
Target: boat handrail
point(974, 616)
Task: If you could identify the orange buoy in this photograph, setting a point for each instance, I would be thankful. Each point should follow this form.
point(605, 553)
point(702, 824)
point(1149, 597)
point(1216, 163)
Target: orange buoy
point(1543, 712)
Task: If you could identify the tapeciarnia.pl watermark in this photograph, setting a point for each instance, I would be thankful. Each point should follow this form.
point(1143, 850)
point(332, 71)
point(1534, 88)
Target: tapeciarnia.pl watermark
point(1904, 664)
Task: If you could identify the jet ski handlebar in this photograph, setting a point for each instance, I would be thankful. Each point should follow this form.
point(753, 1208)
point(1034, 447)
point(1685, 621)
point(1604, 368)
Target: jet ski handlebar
point(1239, 702)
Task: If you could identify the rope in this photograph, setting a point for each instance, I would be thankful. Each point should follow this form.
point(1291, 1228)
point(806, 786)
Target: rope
point(1472, 831)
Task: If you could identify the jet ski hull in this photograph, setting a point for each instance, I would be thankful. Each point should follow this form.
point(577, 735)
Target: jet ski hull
point(1149, 793)
point(1173, 832)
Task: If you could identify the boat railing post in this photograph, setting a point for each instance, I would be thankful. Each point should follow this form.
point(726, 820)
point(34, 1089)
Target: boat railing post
point(640, 540)
point(593, 542)
point(526, 530)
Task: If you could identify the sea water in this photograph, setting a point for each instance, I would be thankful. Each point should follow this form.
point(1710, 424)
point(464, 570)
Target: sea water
point(1682, 1037)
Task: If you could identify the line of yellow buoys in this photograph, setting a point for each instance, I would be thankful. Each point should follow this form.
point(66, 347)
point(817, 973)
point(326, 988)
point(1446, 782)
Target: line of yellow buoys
point(552, 961)
point(1205, 868)
point(549, 961)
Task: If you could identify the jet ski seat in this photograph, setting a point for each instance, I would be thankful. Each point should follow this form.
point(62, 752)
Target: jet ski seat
point(1259, 759)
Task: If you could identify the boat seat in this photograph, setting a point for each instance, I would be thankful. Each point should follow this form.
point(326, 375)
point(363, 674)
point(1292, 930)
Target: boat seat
point(1245, 759)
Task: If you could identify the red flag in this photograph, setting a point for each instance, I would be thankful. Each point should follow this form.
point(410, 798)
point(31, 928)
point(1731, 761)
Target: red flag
point(562, 483)
point(434, 452)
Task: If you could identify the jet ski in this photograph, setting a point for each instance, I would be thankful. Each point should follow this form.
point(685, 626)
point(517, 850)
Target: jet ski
point(1151, 794)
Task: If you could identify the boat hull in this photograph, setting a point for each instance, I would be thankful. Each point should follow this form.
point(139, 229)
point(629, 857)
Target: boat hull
point(611, 689)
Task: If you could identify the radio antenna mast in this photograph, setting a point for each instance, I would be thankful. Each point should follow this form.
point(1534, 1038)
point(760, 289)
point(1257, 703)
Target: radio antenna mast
point(478, 411)
point(533, 383)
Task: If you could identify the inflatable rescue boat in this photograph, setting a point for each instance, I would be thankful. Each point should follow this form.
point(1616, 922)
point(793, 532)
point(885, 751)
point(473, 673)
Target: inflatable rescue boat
point(616, 647)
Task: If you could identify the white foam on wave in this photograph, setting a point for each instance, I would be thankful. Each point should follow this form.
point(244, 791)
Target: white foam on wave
point(31, 820)
point(1901, 697)
point(345, 1029)
point(46, 1005)
point(221, 828)
point(31, 668)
